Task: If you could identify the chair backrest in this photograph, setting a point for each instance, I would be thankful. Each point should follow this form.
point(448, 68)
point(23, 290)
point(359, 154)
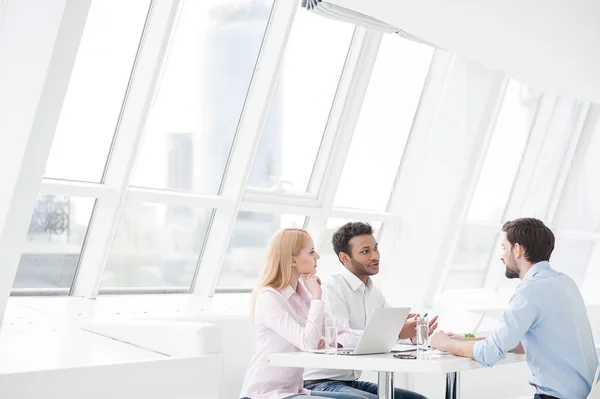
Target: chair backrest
point(595, 393)
point(237, 339)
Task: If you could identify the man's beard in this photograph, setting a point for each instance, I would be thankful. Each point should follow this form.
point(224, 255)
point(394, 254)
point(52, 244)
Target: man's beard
point(361, 269)
point(511, 273)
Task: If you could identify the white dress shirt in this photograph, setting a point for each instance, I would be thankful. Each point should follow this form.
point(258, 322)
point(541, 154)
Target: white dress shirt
point(349, 298)
point(286, 321)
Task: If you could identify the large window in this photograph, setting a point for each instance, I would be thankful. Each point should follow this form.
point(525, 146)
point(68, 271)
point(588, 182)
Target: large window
point(247, 249)
point(553, 160)
point(504, 154)
point(525, 169)
point(476, 244)
point(148, 187)
point(298, 115)
point(545, 190)
point(157, 245)
point(54, 242)
point(384, 124)
point(580, 204)
point(479, 234)
point(572, 255)
point(97, 88)
point(199, 101)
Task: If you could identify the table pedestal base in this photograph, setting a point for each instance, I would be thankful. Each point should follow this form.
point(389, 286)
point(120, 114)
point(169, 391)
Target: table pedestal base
point(386, 385)
point(452, 386)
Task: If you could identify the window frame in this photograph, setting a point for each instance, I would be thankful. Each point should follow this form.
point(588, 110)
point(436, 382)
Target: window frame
point(316, 204)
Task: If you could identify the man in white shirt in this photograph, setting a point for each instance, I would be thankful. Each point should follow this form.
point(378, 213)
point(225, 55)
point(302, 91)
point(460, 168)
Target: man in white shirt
point(352, 296)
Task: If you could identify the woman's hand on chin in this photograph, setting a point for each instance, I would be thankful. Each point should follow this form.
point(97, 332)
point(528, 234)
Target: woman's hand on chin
point(313, 285)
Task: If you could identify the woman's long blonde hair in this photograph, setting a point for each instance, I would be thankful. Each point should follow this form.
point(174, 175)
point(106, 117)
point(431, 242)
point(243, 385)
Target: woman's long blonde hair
point(277, 269)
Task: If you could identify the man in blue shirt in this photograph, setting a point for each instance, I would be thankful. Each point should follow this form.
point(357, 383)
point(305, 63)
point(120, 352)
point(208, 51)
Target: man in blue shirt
point(546, 319)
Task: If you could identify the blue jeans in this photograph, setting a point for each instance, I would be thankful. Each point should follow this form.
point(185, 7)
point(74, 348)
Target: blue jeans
point(366, 390)
point(335, 395)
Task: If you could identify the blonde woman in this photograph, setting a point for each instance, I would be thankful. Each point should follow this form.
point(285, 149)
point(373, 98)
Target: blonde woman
point(288, 314)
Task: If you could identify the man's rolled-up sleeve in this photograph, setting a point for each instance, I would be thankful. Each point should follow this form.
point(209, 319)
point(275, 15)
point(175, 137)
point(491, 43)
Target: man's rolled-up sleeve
point(520, 316)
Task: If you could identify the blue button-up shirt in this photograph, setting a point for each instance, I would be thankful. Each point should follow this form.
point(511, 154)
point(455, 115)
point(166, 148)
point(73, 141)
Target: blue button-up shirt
point(548, 316)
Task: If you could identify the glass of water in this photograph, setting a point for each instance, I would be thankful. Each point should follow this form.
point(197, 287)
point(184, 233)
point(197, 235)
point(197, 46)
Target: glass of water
point(331, 335)
point(422, 334)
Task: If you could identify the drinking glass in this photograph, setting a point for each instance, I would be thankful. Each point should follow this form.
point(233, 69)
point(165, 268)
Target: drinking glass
point(331, 335)
point(422, 334)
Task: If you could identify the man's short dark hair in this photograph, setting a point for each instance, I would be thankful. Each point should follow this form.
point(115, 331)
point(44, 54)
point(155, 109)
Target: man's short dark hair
point(533, 235)
point(341, 238)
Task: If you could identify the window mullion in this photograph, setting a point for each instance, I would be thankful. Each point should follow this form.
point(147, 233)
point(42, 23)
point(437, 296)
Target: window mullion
point(107, 213)
point(433, 88)
point(34, 85)
point(254, 116)
point(77, 189)
point(342, 121)
point(584, 129)
point(525, 173)
point(438, 170)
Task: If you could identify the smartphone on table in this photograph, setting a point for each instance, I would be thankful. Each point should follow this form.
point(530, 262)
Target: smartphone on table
point(404, 356)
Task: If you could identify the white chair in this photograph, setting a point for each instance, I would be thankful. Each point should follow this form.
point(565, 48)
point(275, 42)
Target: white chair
point(595, 393)
point(236, 343)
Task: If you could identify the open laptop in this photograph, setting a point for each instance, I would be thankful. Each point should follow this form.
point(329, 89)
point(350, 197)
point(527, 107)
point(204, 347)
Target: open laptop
point(380, 333)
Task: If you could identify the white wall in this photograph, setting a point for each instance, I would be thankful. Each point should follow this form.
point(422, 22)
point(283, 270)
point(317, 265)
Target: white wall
point(553, 46)
point(40, 40)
